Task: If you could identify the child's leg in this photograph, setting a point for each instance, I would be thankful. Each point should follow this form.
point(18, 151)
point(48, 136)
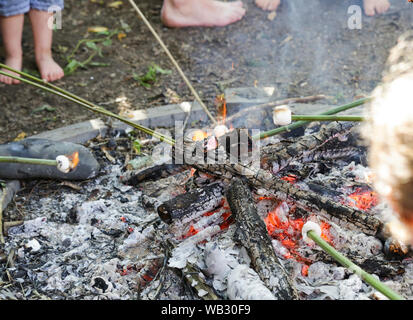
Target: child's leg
point(269, 5)
point(42, 35)
point(12, 30)
point(371, 7)
point(203, 13)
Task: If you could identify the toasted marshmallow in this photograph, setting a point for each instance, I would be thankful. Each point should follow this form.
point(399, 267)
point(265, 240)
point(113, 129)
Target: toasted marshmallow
point(63, 164)
point(220, 130)
point(310, 226)
point(282, 115)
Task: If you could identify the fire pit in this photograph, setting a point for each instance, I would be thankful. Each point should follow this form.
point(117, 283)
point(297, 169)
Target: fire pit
point(155, 229)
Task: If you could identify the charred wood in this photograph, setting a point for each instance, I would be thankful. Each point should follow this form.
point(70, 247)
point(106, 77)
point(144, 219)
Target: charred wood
point(134, 178)
point(307, 145)
point(308, 200)
point(200, 200)
point(252, 234)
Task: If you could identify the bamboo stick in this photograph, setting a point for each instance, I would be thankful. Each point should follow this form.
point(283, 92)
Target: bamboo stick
point(377, 284)
point(326, 118)
point(44, 162)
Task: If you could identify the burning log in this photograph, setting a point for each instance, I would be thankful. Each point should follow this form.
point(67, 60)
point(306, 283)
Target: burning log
point(305, 199)
point(199, 201)
point(307, 145)
point(252, 234)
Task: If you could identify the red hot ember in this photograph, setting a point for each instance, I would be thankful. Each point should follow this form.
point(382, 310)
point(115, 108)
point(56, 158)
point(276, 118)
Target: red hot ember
point(287, 231)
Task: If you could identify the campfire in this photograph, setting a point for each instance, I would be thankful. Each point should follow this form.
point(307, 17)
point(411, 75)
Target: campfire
point(214, 231)
point(221, 212)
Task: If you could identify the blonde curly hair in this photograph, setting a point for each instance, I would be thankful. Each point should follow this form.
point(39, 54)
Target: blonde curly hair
point(389, 129)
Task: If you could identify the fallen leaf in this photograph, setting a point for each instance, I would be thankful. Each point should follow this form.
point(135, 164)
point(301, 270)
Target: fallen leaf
point(121, 35)
point(271, 16)
point(20, 136)
point(115, 4)
point(97, 29)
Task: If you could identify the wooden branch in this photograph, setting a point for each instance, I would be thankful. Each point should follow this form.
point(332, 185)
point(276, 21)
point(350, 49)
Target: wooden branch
point(252, 234)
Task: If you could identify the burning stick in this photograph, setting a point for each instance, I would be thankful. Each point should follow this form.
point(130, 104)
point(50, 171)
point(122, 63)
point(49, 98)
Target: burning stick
point(282, 116)
point(299, 124)
point(252, 233)
point(64, 163)
point(312, 231)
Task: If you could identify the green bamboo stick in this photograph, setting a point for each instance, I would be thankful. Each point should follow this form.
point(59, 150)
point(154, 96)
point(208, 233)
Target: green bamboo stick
point(88, 105)
point(299, 124)
point(44, 162)
point(326, 118)
point(377, 284)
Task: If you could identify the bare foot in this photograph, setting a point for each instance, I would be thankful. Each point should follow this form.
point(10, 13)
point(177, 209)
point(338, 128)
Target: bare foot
point(371, 7)
point(270, 5)
point(15, 63)
point(49, 69)
point(201, 13)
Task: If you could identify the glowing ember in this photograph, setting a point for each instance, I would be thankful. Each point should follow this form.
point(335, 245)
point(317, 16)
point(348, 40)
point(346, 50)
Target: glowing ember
point(363, 200)
point(287, 231)
point(304, 270)
point(225, 217)
point(199, 135)
point(291, 178)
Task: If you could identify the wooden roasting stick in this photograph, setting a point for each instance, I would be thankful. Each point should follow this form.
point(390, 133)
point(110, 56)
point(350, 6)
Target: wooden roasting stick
point(252, 234)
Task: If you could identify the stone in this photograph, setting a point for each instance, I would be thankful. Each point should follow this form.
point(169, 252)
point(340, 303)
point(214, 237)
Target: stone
point(248, 96)
point(164, 116)
point(76, 133)
point(87, 168)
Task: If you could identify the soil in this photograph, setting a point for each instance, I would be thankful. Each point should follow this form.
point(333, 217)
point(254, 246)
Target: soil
point(305, 50)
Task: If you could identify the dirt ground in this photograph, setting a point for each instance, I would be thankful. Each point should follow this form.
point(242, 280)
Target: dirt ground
point(307, 49)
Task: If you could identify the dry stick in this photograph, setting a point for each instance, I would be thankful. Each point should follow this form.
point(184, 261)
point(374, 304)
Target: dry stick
point(274, 104)
point(174, 62)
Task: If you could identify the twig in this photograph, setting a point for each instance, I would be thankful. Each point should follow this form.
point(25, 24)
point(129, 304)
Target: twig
point(174, 62)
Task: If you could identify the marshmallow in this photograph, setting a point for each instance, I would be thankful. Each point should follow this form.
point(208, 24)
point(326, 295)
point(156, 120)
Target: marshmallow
point(310, 226)
point(63, 164)
point(220, 130)
point(282, 115)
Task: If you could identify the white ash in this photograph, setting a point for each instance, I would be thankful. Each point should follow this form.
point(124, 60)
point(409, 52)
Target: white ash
point(186, 250)
point(245, 284)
